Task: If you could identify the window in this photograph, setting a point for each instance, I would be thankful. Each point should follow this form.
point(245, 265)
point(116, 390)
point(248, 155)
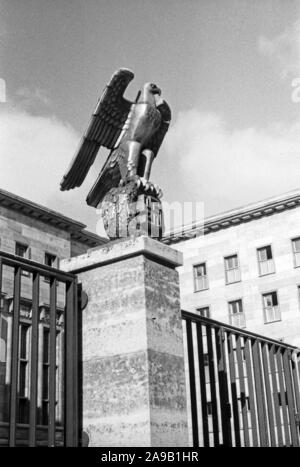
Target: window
point(200, 277)
point(236, 314)
point(25, 309)
point(45, 375)
point(271, 307)
point(23, 251)
point(206, 359)
point(203, 311)
point(244, 401)
point(232, 269)
point(265, 260)
point(46, 369)
point(296, 251)
point(23, 373)
point(280, 399)
point(206, 367)
point(51, 261)
point(209, 408)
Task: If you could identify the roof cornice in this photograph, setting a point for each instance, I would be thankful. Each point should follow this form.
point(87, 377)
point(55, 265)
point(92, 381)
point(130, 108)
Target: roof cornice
point(235, 217)
point(48, 216)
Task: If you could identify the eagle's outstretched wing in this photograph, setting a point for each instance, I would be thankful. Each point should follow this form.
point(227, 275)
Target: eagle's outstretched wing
point(104, 128)
point(157, 139)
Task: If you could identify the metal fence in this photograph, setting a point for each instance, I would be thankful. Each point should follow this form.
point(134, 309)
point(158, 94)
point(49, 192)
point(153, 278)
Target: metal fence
point(243, 388)
point(38, 354)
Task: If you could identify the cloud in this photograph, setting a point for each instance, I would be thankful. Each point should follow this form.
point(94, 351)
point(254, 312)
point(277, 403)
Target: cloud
point(284, 50)
point(2, 90)
point(227, 167)
point(30, 98)
point(34, 154)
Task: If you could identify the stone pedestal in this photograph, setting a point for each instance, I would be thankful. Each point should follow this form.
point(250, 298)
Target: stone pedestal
point(133, 367)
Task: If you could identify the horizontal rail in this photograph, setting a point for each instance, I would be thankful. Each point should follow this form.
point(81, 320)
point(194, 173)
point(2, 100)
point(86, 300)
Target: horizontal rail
point(32, 266)
point(227, 327)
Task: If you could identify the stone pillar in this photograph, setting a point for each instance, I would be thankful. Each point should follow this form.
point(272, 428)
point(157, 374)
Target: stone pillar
point(133, 367)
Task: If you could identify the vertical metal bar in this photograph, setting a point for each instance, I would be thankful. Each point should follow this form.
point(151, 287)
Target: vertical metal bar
point(194, 412)
point(212, 382)
point(247, 350)
point(243, 390)
point(15, 358)
point(1, 273)
point(223, 388)
point(202, 386)
point(290, 397)
point(80, 441)
point(60, 371)
point(296, 384)
point(283, 398)
point(3, 390)
point(75, 343)
point(9, 350)
point(275, 395)
point(264, 351)
point(71, 365)
point(34, 359)
point(52, 369)
point(261, 403)
point(235, 407)
point(40, 368)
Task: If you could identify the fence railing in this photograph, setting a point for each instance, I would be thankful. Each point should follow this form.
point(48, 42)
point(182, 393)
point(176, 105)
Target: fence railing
point(38, 354)
point(243, 388)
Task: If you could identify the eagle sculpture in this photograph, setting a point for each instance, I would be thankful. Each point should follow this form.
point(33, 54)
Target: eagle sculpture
point(132, 131)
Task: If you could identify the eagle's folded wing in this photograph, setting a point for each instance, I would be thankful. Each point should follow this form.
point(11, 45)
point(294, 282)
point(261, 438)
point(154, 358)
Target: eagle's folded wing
point(104, 128)
point(157, 139)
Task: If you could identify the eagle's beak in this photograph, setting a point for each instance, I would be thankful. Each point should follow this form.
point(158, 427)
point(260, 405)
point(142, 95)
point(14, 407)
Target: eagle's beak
point(157, 91)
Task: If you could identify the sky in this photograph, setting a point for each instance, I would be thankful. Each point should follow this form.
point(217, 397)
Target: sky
point(229, 69)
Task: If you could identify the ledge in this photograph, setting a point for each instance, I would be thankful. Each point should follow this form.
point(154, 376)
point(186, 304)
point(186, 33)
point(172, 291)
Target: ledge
point(123, 249)
point(234, 217)
point(48, 216)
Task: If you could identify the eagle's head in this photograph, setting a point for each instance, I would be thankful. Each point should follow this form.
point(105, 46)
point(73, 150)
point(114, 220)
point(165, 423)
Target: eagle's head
point(149, 91)
point(152, 88)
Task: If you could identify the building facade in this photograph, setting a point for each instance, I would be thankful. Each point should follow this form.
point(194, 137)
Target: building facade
point(243, 267)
